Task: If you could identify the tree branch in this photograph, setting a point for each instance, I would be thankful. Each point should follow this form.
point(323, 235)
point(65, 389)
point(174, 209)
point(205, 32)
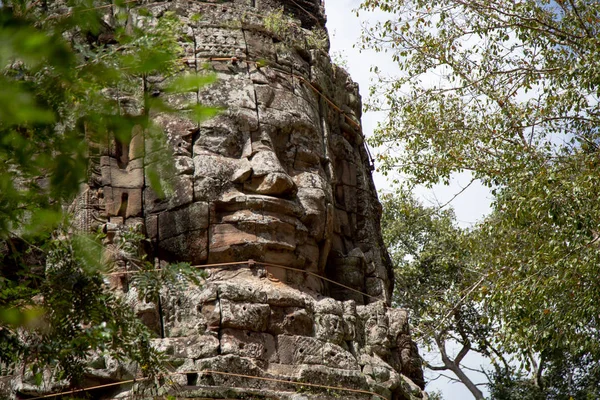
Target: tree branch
point(436, 367)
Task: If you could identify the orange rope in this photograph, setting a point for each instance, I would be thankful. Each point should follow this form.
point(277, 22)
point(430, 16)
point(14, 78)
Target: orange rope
point(195, 266)
point(216, 373)
point(250, 264)
point(318, 276)
point(292, 382)
point(89, 388)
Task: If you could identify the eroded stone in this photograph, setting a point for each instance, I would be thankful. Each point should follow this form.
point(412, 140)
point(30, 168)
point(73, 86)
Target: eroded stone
point(280, 176)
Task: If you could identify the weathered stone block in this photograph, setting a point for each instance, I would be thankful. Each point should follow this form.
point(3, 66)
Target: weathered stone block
point(242, 294)
point(136, 146)
point(328, 306)
point(184, 165)
point(179, 131)
point(249, 344)
point(185, 220)
point(347, 173)
point(212, 313)
point(375, 286)
point(192, 347)
point(329, 327)
point(350, 196)
point(190, 247)
point(152, 226)
point(348, 270)
point(398, 322)
point(181, 193)
point(299, 350)
point(285, 296)
point(337, 357)
point(123, 202)
point(223, 236)
point(249, 316)
point(291, 321)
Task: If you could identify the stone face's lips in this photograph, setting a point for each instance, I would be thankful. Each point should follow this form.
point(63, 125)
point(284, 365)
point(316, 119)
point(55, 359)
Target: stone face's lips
point(259, 209)
point(255, 221)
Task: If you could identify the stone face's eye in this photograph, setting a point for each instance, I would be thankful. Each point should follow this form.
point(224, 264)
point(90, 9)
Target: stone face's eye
point(227, 134)
point(308, 147)
point(219, 140)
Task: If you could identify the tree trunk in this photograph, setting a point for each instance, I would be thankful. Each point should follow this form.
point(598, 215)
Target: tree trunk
point(466, 381)
point(453, 366)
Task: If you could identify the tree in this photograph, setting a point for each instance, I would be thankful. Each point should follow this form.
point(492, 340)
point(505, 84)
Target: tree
point(432, 269)
point(435, 273)
point(567, 375)
point(507, 91)
point(59, 62)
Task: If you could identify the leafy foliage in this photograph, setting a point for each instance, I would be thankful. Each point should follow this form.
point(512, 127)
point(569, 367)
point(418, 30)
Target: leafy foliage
point(66, 316)
point(507, 91)
point(147, 279)
point(504, 386)
point(286, 27)
point(64, 72)
point(566, 376)
point(432, 269)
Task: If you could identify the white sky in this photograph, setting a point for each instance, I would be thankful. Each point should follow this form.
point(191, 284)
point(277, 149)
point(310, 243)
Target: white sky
point(344, 29)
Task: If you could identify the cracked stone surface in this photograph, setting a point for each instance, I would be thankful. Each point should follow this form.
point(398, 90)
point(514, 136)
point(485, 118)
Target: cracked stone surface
point(281, 176)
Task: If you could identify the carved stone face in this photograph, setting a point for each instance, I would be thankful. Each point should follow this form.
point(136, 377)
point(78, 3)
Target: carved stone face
point(267, 188)
point(259, 174)
point(280, 176)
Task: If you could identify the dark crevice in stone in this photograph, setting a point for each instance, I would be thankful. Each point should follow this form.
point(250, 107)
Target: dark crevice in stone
point(220, 332)
point(123, 208)
point(192, 378)
point(122, 153)
point(161, 318)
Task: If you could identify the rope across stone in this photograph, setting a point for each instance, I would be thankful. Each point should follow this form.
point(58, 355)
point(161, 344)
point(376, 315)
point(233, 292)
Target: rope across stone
point(209, 372)
point(252, 263)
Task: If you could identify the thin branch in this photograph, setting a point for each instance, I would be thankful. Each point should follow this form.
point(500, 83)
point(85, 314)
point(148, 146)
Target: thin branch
point(456, 195)
point(436, 367)
point(478, 370)
point(583, 25)
point(453, 380)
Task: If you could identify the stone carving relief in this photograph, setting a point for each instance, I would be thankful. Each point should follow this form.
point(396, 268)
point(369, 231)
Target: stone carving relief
point(281, 176)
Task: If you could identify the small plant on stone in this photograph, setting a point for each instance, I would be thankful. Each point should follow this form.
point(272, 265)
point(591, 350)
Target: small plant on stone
point(318, 39)
point(339, 58)
point(148, 279)
point(278, 23)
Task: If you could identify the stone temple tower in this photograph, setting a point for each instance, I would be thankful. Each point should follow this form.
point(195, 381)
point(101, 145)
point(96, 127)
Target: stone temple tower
point(278, 183)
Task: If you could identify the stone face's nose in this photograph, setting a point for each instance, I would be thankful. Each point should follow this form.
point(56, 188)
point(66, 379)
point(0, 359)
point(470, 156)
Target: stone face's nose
point(269, 177)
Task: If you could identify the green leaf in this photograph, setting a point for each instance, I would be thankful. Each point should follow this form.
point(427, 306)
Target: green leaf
point(199, 113)
point(190, 82)
point(90, 253)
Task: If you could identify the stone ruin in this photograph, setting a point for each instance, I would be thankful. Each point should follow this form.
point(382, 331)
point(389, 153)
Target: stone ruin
point(279, 181)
